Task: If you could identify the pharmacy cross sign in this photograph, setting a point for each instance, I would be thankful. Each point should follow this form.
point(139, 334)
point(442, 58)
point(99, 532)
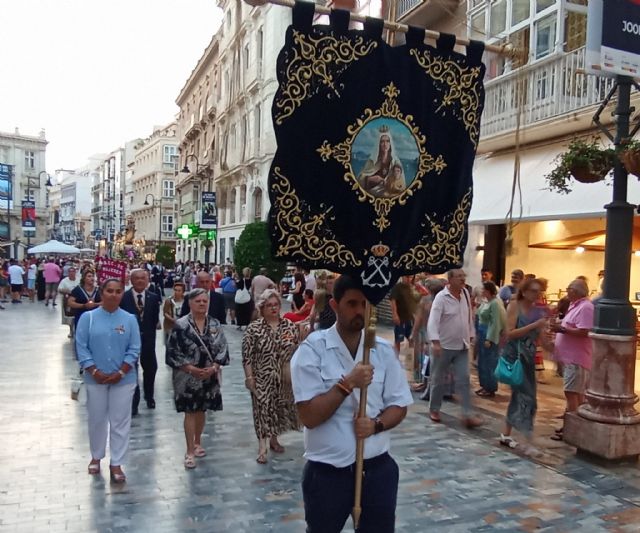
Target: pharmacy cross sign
point(185, 231)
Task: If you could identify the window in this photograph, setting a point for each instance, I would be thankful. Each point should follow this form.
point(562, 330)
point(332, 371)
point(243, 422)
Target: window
point(223, 251)
point(545, 36)
point(478, 30)
point(575, 31)
point(498, 20)
point(29, 160)
point(232, 207)
point(258, 128)
point(519, 11)
point(260, 43)
point(232, 247)
point(257, 205)
point(168, 188)
point(233, 136)
point(541, 5)
point(167, 223)
point(246, 56)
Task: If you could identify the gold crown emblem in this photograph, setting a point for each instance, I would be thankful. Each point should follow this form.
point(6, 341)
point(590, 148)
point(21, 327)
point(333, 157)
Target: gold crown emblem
point(384, 129)
point(380, 250)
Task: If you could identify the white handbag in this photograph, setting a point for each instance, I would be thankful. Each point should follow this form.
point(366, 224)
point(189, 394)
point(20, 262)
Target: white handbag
point(242, 296)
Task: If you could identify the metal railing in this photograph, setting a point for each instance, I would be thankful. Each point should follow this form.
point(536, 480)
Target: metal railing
point(552, 87)
point(404, 6)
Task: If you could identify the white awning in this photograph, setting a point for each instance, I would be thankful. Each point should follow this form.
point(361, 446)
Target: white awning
point(493, 179)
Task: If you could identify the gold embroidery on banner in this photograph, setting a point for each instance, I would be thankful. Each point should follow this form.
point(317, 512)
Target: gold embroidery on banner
point(461, 86)
point(316, 61)
point(443, 238)
point(341, 153)
point(302, 235)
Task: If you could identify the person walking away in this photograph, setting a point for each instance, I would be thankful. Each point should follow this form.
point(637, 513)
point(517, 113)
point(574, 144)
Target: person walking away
point(52, 275)
point(197, 349)
point(16, 273)
point(65, 288)
point(572, 346)
point(107, 347)
point(267, 347)
point(32, 274)
point(325, 370)
point(403, 307)
point(261, 283)
point(297, 289)
point(450, 328)
point(524, 325)
point(145, 306)
point(244, 311)
point(172, 308)
point(508, 291)
point(228, 286)
point(492, 321)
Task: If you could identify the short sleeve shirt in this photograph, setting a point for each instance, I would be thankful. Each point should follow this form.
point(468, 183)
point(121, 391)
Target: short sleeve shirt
point(570, 349)
point(318, 364)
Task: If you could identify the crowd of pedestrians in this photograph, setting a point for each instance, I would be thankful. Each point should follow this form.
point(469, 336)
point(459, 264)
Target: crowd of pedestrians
point(302, 358)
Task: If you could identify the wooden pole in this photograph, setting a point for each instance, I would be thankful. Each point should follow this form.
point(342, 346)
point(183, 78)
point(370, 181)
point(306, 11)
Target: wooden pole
point(369, 342)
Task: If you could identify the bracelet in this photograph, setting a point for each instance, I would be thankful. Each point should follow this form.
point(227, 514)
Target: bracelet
point(248, 378)
point(122, 372)
point(343, 387)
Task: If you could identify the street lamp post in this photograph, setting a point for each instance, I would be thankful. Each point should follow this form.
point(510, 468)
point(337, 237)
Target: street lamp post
point(47, 184)
point(159, 204)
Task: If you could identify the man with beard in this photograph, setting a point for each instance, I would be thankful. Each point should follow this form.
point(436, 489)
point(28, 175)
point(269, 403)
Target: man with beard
point(325, 370)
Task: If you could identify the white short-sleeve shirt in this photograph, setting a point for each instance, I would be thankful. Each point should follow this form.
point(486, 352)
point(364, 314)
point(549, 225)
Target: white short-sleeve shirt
point(318, 364)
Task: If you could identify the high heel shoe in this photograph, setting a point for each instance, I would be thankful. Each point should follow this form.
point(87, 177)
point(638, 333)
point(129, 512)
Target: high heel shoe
point(117, 476)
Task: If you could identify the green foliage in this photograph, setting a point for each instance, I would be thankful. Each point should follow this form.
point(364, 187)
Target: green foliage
point(584, 156)
point(253, 250)
point(166, 255)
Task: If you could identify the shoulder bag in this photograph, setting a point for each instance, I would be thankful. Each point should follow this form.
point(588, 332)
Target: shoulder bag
point(510, 372)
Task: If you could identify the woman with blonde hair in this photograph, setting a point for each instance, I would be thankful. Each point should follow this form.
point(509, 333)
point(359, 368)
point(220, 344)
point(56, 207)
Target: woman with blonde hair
point(267, 348)
point(244, 310)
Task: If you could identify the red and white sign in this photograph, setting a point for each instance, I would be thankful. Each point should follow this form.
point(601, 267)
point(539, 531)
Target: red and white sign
point(110, 269)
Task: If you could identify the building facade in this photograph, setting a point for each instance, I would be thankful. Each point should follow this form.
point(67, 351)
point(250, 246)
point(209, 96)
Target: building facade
point(535, 104)
point(70, 199)
point(153, 179)
point(225, 123)
point(23, 178)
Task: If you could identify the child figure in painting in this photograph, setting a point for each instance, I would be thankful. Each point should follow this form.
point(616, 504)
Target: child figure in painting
point(395, 182)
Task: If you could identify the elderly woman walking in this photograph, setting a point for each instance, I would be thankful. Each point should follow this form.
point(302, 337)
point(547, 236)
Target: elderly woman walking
point(492, 321)
point(197, 349)
point(107, 347)
point(267, 348)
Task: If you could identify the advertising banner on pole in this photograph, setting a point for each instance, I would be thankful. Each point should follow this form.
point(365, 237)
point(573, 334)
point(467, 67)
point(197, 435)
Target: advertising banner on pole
point(28, 215)
point(209, 217)
point(613, 37)
point(6, 188)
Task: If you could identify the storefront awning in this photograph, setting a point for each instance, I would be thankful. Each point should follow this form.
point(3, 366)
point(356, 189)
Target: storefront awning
point(493, 179)
point(593, 241)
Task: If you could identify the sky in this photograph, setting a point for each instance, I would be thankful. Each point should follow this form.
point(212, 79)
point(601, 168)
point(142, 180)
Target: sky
point(95, 74)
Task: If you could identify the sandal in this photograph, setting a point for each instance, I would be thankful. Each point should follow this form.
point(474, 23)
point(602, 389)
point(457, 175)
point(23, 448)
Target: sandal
point(507, 441)
point(277, 448)
point(117, 476)
point(199, 451)
point(94, 467)
point(189, 462)
point(558, 435)
point(435, 416)
point(262, 458)
point(486, 394)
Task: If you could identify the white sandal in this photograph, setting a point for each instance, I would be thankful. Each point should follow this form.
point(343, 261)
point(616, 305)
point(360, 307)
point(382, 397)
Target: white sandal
point(507, 441)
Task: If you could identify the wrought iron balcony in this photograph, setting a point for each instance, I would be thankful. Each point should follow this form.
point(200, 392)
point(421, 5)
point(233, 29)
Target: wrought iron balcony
point(551, 88)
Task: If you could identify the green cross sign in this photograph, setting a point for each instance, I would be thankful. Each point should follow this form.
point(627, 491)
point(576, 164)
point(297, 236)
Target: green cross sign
point(185, 231)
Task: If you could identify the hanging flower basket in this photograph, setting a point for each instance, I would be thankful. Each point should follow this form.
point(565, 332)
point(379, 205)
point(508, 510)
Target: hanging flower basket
point(584, 161)
point(630, 157)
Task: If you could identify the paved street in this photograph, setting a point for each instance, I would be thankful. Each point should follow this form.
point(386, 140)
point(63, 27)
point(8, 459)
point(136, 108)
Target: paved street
point(451, 480)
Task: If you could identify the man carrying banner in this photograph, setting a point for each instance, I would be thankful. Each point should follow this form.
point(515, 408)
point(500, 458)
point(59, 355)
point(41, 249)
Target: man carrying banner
point(325, 370)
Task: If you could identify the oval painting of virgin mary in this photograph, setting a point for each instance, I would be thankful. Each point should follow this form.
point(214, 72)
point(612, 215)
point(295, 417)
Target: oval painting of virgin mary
point(384, 157)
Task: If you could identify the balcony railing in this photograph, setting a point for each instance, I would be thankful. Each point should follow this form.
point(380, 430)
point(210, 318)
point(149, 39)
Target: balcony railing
point(404, 6)
point(552, 87)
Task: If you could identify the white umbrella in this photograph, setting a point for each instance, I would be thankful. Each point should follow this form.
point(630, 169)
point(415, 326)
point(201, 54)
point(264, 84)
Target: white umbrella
point(87, 250)
point(53, 247)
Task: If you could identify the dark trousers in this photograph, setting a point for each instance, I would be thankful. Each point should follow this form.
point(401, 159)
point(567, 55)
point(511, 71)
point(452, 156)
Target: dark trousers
point(149, 365)
point(328, 494)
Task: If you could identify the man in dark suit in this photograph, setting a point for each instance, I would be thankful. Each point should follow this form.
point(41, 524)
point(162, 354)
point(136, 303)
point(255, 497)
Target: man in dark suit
point(216, 300)
point(145, 305)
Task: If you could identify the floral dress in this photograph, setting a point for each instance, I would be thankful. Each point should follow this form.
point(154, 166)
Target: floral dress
point(186, 346)
point(269, 354)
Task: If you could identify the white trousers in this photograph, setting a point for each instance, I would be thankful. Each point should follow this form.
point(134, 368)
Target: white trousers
point(109, 408)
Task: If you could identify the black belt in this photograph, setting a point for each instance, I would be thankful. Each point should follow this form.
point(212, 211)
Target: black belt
point(367, 464)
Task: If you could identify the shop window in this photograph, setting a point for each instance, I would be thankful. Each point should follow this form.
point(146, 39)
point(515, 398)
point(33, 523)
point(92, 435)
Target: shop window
point(545, 36)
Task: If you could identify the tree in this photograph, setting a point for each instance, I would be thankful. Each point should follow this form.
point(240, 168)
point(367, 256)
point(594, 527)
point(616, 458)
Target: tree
point(166, 255)
point(253, 250)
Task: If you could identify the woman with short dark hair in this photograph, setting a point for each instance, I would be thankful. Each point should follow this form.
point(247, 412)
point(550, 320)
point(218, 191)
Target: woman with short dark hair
point(492, 321)
point(107, 348)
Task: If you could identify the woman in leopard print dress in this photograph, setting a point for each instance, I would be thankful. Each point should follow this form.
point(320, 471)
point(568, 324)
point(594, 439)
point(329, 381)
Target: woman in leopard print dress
point(267, 348)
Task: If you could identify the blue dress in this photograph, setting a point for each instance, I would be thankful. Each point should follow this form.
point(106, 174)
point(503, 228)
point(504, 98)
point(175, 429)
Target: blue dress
point(523, 405)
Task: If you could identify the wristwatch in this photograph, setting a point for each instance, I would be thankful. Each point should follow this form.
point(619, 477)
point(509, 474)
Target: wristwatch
point(122, 372)
point(379, 426)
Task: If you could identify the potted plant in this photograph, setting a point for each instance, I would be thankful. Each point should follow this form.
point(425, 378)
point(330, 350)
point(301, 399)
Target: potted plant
point(584, 160)
point(629, 154)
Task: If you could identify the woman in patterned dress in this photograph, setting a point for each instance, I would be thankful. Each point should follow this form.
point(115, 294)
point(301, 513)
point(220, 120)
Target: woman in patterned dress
point(267, 348)
point(197, 349)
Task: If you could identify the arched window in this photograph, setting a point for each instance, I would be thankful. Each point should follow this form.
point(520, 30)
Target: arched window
point(257, 205)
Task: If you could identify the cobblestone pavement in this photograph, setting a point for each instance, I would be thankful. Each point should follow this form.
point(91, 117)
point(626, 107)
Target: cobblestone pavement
point(451, 480)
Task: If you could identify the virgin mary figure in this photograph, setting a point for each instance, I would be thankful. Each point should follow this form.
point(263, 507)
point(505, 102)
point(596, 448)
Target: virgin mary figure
point(377, 173)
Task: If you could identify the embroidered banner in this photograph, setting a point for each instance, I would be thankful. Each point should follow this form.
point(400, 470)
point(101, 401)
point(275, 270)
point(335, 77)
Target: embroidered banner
point(372, 175)
point(110, 269)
